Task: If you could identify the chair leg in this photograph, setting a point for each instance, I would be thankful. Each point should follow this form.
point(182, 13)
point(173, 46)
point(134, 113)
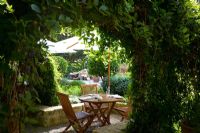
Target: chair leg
point(67, 127)
point(78, 128)
point(89, 122)
point(122, 115)
point(122, 118)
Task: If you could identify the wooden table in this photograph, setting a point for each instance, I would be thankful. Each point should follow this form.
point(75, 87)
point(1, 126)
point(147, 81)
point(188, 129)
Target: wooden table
point(96, 102)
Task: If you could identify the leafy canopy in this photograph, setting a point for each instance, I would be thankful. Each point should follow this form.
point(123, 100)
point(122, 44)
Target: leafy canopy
point(160, 37)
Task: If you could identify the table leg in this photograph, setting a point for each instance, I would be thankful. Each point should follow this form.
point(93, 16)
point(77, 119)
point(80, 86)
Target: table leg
point(109, 112)
point(100, 113)
point(96, 111)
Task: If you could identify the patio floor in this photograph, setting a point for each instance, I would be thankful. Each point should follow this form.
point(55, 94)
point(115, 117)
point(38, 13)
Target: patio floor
point(115, 118)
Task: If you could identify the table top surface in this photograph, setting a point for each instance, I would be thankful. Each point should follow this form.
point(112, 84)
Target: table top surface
point(101, 98)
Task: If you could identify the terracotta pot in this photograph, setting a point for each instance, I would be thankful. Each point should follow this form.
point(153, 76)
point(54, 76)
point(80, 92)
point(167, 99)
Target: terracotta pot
point(185, 128)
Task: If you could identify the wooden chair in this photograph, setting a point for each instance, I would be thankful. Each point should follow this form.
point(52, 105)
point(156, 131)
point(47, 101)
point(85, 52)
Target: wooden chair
point(123, 110)
point(91, 89)
point(80, 121)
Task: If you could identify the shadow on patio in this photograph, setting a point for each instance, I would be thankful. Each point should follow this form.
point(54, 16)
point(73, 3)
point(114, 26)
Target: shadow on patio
point(115, 119)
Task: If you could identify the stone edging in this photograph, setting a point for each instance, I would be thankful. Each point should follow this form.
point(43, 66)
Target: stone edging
point(54, 115)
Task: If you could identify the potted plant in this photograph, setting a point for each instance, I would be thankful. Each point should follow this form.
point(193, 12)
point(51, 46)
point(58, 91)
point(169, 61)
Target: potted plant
point(191, 120)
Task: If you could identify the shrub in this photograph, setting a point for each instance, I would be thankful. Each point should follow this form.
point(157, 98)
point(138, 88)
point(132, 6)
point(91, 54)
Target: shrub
point(73, 90)
point(71, 87)
point(75, 66)
point(118, 85)
point(65, 81)
point(98, 63)
point(61, 64)
point(47, 87)
point(96, 67)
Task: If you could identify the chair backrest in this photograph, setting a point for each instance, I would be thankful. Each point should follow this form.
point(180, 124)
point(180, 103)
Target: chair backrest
point(89, 89)
point(67, 107)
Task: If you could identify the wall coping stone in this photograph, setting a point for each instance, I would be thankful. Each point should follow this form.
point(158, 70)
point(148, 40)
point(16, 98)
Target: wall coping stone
point(58, 107)
point(54, 115)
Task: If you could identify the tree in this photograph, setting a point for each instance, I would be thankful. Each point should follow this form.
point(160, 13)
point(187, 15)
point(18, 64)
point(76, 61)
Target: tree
point(156, 35)
point(21, 52)
point(98, 62)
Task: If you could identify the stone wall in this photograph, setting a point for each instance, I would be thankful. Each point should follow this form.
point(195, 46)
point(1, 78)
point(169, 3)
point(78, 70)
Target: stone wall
point(51, 116)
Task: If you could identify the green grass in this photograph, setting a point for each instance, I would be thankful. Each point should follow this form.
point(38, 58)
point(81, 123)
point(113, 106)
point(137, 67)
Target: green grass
point(72, 90)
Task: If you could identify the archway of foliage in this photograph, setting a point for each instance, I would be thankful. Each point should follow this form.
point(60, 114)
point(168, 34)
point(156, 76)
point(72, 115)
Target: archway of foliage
point(161, 38)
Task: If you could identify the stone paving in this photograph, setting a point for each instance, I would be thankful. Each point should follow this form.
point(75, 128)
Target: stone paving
point(114, 128)
point(115, 118)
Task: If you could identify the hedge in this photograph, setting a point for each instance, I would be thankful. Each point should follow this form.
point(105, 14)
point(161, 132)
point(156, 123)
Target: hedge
point(118, 84)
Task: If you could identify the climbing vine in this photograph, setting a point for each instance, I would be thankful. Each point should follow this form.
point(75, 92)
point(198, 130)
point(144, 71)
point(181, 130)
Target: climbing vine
point(160, 37)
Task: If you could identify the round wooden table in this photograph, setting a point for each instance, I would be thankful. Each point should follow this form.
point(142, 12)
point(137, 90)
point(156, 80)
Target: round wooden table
point(96, 101)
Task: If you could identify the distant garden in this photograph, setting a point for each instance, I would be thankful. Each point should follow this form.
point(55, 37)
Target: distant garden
point(60, 67)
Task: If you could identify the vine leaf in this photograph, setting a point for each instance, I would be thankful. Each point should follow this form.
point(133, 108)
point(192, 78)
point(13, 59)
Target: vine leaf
point(35, 8)
point(68, 19)
point(96, 2)
point(61, 17)
point(103, 8)
point(65, 18)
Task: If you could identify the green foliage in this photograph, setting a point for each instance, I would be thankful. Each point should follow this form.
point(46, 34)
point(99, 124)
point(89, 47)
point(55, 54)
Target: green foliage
point(68, 82)
point(160, 37)
point(71, 87)
point(57, 74)
point(118, 84)
point(192, 114)
point(157, 86)
point(76, 61)
point(20, 54)
point(98, 63)
point(72, 90)
point(96, 66)
point(9, 7)
point(28, 108)
point(47, 87)
point(61, 64)
point(75, 66)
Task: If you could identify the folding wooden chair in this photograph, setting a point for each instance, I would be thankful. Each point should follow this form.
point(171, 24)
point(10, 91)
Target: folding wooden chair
point(123, 110)
point(80, 121)
point(91, 89)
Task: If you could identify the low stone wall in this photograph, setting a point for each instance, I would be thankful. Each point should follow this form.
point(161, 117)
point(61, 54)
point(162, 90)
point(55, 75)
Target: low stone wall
point(51, 116)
